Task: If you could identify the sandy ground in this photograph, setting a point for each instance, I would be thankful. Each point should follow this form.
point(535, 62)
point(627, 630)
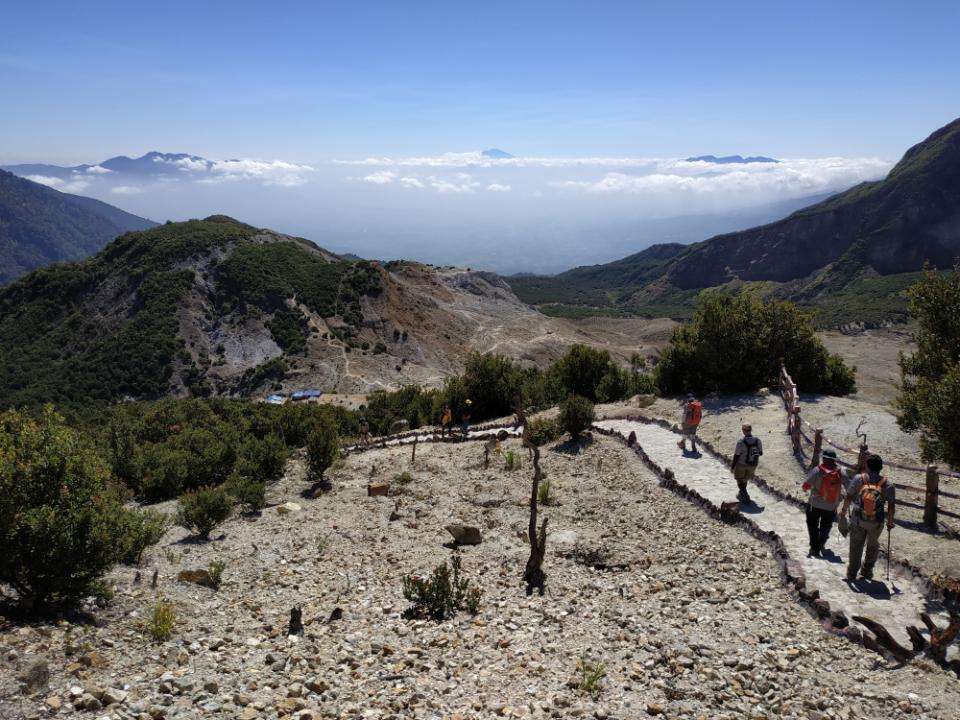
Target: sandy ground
point(684, 617)
point(875, 353)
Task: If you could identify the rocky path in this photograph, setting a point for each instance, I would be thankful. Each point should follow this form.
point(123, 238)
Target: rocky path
point(895, 605)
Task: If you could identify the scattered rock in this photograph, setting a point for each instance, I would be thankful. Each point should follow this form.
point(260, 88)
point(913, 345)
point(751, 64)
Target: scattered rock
point(464, 534)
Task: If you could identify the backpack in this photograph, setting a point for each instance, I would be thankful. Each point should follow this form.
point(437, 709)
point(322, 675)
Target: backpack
point(870, 500)
point(829, 484)
point(753, 451)
point(694, 412)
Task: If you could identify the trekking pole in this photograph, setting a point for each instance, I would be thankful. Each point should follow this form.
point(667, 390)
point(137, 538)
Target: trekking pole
point(888, 553)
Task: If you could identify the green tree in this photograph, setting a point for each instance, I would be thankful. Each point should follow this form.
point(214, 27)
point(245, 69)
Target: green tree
point(62, 524)
point(576, 415)
point(736, 343)
point(930, 377)
point(203, 509)
point(591, 373)
point(323, 444)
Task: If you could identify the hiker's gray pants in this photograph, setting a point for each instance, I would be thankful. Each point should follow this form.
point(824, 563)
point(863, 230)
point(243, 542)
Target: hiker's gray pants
point(864, 534)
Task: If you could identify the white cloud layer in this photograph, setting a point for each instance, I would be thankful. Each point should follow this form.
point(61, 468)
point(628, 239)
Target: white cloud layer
point(126, 190)
point(497, 187)
point(67, 186)
point(383, 177)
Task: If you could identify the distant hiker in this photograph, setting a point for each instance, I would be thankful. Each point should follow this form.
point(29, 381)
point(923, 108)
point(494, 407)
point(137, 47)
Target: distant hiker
point(825, 484)
point(364, 431)
point(746, 457)
point(465, 417)
point(692, 414)
point(794, 427)
point(446, 421)
point(873, 500)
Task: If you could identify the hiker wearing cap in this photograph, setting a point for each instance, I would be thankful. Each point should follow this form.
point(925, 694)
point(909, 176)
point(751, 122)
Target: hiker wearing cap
point(746, 457)
point(871, 501)
point(825, 484)
point(692, 415)
point(465, 417)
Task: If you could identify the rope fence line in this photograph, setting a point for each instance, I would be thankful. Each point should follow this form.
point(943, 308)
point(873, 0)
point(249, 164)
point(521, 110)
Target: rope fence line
point(795, 428)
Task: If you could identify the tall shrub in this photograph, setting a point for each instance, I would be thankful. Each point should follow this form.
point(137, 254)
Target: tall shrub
point(62, 524)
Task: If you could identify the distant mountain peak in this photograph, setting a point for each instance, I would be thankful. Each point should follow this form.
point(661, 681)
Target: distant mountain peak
point(732, 159)
point(496, 154)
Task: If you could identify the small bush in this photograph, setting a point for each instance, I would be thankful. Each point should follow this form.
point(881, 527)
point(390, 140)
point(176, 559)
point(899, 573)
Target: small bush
point(543, 493)
point(542, 431)
point(576, 415)
point(249, 494)
point(215, 569)
point(143, 528)
point(591, 673)
point(161, 622)
point(323, 446)
point(511, 461)
point(404, 478)
point(440, 596)
point(204, 509)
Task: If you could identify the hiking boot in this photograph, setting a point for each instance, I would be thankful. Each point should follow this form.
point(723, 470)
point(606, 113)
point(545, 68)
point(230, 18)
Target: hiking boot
point(682, 445)
point(814, 552)
point(867, 573)
point(851, 578)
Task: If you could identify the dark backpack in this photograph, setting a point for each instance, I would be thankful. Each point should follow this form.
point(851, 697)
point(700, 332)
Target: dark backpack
point(753, 451)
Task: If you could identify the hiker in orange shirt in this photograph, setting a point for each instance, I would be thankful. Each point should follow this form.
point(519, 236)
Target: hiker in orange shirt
point(692, 415)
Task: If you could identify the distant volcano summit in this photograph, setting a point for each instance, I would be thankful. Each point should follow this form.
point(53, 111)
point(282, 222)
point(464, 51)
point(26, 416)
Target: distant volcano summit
point(496, 154)
point(732, 159)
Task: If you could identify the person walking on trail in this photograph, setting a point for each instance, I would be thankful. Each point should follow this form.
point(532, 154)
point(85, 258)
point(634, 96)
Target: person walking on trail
point(465, 417)
point(746, 457)
point(446, 421)
point(825, 484)
point(364, 431)
point(871, 501)
point(692, 415)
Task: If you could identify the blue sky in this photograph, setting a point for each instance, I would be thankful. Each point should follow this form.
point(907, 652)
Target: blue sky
point(310, 81)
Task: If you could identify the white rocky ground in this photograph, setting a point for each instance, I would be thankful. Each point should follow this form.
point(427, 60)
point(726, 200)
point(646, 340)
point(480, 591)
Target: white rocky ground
point(690, 618)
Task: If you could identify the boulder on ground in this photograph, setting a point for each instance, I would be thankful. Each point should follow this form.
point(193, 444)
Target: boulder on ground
point(464, 534)
point(378, 489)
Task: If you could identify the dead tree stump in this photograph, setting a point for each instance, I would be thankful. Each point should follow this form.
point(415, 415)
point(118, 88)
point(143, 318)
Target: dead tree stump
point(296, 621)
point(533, 574)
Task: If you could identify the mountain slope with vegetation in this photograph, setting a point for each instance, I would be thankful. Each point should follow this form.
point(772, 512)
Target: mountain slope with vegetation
point(39, 226)
point(849, 257)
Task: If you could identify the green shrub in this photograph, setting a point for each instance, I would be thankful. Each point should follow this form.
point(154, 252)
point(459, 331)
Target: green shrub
point(591, 373)
point(162, 619)
point(440, 596)
point(542, 431)
point(263, 460)
point(249, 494)
point(323, 446)
point(930, 377)
point(215, 570)
point(736, 343)
point(511, 461)
point(203, 509)
point(591, 673)
point(62, 525)
point(543, 492)
point(142, 529)
point(576, 415)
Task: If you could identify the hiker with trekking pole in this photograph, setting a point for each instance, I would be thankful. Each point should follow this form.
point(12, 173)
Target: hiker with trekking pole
point(873, 501)
point(746, 457)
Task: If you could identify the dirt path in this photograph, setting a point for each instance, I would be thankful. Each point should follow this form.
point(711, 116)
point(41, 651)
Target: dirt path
point(895, 604)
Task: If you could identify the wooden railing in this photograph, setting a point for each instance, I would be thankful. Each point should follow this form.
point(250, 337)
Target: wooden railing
point(795, 423)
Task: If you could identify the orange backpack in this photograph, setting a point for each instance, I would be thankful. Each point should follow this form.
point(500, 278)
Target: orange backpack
point(829, 484)
point(870, 500)
point(694, 412)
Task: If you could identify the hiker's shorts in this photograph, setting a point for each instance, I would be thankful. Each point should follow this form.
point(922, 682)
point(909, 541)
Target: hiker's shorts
point(689, 430)
point(744, 472)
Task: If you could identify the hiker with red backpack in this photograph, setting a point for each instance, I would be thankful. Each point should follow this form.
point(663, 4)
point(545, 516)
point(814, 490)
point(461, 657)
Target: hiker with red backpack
point(692, 415)
point(873, 500)
point(825, 484)
point(746, 457)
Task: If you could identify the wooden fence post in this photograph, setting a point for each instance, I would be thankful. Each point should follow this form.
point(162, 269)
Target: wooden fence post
point(817, 447)
point(932, 497)
point(862, 458)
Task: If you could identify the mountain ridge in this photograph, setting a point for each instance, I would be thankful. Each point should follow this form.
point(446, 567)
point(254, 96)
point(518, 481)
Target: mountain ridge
point(849, 257)
point(40, 225)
